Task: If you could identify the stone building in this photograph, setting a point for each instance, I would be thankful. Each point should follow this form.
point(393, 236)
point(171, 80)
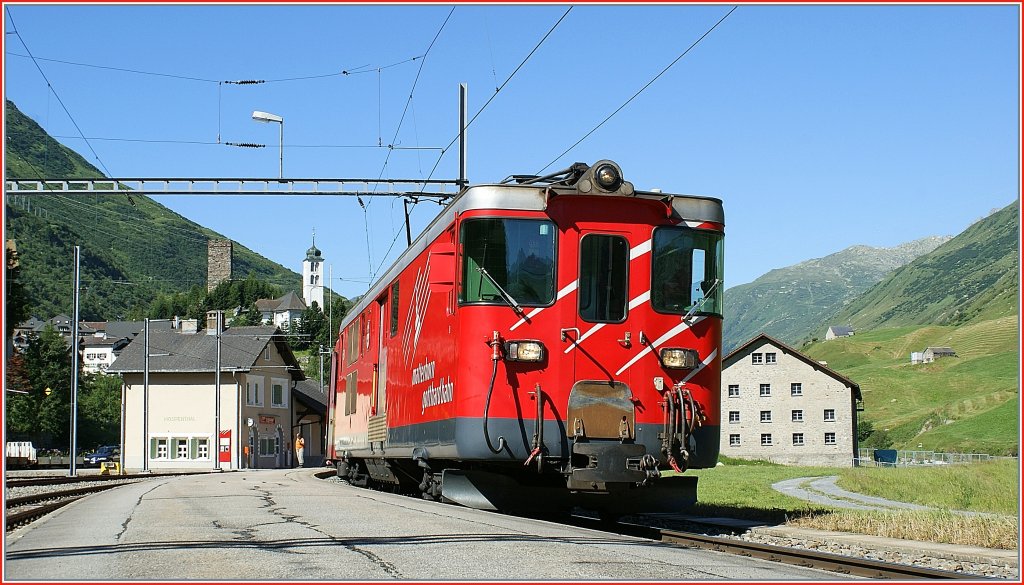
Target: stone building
point(218, 262)
point(781, 406)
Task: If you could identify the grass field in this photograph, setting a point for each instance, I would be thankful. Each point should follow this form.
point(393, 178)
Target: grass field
point(967, 403)
point(743, 490)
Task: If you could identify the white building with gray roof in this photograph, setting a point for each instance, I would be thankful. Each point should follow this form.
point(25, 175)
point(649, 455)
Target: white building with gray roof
point(173, 425)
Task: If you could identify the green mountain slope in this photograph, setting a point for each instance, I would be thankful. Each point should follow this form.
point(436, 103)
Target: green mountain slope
point(967, 404)
point(130, 251)
point(788, 303)
point(971, 277)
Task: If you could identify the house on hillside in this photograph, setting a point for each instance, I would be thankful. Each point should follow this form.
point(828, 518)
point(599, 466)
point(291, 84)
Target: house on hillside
point(258, 411)
point(780, 405)
point(283, 312)
point(838, 331)
point(99, 353)
point(932, 353)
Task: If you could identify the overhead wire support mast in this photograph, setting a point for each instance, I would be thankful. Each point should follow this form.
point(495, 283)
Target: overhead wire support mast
point(418, 188)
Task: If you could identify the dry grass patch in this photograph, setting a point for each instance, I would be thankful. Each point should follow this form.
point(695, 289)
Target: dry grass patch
point(985, 531)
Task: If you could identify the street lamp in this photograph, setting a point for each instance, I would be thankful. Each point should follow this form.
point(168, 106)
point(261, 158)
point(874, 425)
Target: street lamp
point(267, 117)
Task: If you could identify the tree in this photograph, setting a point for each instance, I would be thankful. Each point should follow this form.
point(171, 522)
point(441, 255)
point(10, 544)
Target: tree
point(864, 430)
point(45, 416)
point(15, 299)
point(99, 410)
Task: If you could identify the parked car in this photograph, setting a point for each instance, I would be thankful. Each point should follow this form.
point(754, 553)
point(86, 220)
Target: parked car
point(103, 454)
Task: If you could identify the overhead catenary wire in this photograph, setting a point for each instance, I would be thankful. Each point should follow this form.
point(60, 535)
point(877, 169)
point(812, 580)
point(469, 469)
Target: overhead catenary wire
point(56, 95)
point(412, 92)
point(342, 73)
point(497, 91)
point(477, 114)
point(641, 90)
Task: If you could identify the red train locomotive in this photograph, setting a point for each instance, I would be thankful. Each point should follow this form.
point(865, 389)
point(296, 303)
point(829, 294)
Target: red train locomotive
point(548, 341)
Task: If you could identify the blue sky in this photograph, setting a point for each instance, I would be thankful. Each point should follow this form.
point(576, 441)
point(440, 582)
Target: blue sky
point(820, 127)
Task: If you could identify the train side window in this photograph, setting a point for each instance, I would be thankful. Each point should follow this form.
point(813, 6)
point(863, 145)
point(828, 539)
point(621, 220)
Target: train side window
point(350, 393)
point(603, 284)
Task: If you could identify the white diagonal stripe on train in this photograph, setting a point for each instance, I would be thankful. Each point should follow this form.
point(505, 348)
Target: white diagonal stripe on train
point(639, 250)
point(565, 290)
point(639, 300)
point(671, 333)
point(634, 253)
point(407, 330)
point(702, 365)
point(421, 309)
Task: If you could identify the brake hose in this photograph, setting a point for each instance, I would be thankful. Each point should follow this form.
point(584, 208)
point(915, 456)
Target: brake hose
point(487, 407)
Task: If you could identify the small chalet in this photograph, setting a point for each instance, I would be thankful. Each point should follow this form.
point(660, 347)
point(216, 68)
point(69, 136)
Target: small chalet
point(283, 312)
point(931, 354)
point(838, 331)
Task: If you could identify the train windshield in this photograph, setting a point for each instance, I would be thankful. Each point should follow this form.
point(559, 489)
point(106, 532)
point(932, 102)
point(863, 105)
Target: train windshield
point(687, 271)
point(517, 255)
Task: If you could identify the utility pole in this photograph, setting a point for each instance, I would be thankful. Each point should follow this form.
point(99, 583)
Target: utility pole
point(216, 394)
point(72, 471)
point(321, 352)
point(145, 398)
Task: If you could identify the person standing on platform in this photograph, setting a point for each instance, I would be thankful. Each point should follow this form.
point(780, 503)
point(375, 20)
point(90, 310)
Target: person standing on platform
point(300, 444)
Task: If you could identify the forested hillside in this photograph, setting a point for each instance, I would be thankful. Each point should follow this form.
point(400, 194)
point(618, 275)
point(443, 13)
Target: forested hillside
point(132, 248)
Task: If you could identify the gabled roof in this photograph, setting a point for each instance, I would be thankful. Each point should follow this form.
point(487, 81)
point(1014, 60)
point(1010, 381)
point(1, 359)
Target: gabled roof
point(307, 392)
point(940, 349)
point(291, 302)
point(288, 302)
point(762, 337)
point(840, 330)
point(33, 323)
point(185, 353)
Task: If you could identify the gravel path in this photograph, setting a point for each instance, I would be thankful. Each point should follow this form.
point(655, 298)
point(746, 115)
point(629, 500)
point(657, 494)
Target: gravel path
point(823, 490)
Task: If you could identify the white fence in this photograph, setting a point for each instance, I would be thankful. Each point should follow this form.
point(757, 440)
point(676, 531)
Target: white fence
point(866, 458)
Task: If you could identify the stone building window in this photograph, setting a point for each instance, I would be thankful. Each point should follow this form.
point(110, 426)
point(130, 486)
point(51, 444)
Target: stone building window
point(830, 438)
point(734, 440)
point(766, 390)
point(798, 439)
point(757, 358)
point(769, 358)
point(796, 389)
point(734, 390)
point(734, 416)
point(830, 415)
point(798, 416)
point(766, 439)
point(766, 416)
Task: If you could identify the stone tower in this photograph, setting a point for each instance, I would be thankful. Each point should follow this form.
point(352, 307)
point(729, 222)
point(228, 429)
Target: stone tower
point(312, 277)
point(218, 263)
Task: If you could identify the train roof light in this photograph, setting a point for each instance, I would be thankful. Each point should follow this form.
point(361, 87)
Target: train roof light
point(604, 177)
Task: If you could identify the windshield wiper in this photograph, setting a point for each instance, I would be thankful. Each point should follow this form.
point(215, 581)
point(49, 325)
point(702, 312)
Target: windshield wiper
point(504, 294)
point(702, 300)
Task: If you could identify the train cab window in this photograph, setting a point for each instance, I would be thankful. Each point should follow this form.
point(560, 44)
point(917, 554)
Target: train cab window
point(394, 309)
point(686, 271)
point(513, 257)
point(603, 285)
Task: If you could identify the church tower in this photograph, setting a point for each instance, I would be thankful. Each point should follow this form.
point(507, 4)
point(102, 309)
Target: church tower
point(312, 277)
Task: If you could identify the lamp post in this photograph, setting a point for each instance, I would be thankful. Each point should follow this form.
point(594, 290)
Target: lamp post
point(266, 118)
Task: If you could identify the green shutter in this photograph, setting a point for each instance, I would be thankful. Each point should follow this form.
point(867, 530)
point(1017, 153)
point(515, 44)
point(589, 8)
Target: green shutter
point(172, 448)
point(152, 448)
point(193, 448)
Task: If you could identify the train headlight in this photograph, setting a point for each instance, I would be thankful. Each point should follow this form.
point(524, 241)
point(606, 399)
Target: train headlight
point(524, 351)
point(679, 359)
point(608, 177)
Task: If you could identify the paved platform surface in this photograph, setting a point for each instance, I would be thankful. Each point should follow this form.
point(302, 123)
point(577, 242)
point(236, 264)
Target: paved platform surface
point(287, 525)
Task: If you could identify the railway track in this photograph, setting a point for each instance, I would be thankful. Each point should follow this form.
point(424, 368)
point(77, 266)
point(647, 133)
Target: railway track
point(852, 566)
point(842, 564)
point(61, 479)
point(25, 509)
